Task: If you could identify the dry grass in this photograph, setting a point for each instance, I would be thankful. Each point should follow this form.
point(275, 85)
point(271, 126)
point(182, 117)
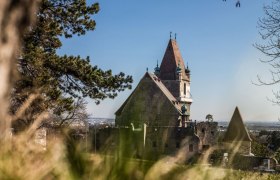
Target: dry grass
point(109, 167)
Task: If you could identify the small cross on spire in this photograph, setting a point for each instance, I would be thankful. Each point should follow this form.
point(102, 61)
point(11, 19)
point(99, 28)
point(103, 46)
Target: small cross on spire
point(170, 35)
point(175, 35)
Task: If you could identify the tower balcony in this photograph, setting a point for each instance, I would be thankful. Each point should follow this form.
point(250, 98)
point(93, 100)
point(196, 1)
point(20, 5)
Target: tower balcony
point(185, 99)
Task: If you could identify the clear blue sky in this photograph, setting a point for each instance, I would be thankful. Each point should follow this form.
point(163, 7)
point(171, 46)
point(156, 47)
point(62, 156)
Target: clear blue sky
point(215, 38)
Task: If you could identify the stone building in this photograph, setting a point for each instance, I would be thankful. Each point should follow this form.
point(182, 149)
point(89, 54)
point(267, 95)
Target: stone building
point(154, 121)
point(158, 111)
point(208, 134)
point(162, 98)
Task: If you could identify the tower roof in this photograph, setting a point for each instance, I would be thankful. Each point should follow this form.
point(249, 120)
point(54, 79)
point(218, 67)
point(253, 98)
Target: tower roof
point(171, 59)
point(236, 130)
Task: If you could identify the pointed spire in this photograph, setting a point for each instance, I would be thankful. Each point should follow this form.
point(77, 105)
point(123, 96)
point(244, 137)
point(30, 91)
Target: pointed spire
point(170, 61)
point(236, 130)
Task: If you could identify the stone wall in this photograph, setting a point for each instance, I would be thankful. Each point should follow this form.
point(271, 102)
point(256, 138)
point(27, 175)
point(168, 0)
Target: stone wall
point(157, 142)
point(171, 141)
point(253, 162)
point(239, 147)
point(208, 134)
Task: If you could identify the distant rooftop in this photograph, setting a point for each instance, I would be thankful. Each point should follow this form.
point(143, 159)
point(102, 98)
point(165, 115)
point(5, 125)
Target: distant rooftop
point(236, 130)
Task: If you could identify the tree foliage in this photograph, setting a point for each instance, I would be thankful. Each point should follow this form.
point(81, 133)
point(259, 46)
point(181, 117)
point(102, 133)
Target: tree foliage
point(209, 117)
point(260, 150)
point(274, 140)
point(277, 155)
point(78, 115)
point(61, 79)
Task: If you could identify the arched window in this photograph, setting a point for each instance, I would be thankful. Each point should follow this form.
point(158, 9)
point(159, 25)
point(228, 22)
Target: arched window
point(185, 89)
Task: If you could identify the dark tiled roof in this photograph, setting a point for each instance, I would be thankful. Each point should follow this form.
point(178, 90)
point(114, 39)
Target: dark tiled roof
point(236, 130)
point(170, 61)
point(161, 86)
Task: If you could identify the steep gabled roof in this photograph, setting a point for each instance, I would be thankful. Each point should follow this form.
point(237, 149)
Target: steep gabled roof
point(161, 87)
point(236, 130)
point(170, 62)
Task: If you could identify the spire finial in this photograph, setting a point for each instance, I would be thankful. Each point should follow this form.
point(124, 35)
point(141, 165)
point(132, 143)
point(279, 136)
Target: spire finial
point(187, 69)
point(175, 36)
point(147, 69)
point(157, 69)
point(170, 35)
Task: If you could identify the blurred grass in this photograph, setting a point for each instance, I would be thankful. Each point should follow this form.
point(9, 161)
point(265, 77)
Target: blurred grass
point(165, 169)
point(66, 158)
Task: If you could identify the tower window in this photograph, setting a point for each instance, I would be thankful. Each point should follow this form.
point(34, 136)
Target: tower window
point(177, 145)
point(185, 89)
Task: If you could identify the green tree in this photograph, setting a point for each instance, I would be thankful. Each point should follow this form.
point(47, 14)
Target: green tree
point(209, 117)
point(274, 140)
point(277, 155)
point(260, 150)
point(60, 79)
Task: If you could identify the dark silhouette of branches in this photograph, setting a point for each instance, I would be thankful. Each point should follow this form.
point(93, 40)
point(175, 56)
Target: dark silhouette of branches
point(269, 27)
point(77, 116)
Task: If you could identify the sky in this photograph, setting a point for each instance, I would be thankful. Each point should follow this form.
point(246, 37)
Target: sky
point(215, 39)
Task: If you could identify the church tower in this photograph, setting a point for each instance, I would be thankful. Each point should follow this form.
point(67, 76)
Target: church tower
point(175, 76)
